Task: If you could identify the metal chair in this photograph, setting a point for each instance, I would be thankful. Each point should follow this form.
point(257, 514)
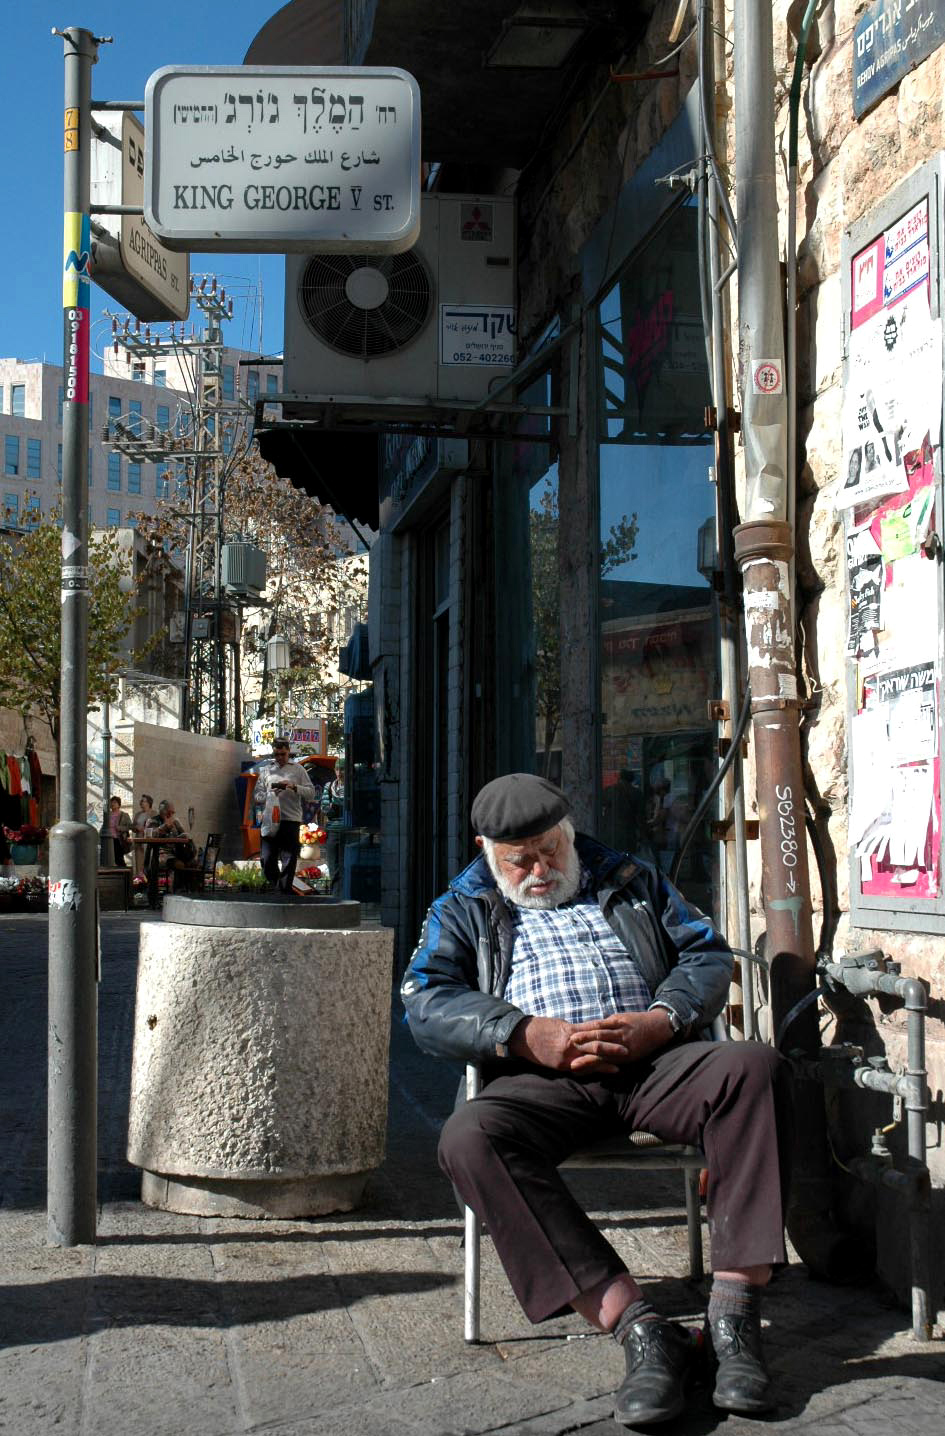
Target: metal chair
point(639, 1151)
point(196, 877)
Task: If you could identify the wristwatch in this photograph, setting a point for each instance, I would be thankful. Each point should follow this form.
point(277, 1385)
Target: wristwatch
point(675, 1020)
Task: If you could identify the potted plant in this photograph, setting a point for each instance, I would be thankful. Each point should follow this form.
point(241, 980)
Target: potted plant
point(24, 841)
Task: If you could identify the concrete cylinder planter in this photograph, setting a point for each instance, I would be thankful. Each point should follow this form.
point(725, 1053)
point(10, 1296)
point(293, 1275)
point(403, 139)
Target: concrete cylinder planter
point(260, 1066)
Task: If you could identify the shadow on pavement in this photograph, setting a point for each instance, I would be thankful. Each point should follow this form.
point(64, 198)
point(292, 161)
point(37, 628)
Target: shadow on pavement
point(41, 1312)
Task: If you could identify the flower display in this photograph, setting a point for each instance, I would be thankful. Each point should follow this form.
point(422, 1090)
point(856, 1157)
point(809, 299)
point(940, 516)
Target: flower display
point(311, 835)
point(28, 833)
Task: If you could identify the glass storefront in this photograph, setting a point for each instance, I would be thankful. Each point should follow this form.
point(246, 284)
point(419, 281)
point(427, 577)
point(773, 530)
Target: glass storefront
point(658, 643)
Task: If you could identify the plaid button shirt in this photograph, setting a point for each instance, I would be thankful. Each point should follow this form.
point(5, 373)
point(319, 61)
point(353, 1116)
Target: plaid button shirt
point(568, 962)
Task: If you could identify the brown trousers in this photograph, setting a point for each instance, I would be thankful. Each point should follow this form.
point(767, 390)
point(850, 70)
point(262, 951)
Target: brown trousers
point(502, 1150)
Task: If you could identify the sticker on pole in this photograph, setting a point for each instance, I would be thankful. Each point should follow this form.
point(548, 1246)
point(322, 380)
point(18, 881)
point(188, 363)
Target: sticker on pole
point(766, 377)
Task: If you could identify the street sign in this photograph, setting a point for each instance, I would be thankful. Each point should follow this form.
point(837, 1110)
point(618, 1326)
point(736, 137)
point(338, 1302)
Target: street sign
point(256, 159)
point(128, 260)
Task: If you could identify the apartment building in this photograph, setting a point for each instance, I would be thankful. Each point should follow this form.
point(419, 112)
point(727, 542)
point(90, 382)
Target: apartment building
point(146, 394)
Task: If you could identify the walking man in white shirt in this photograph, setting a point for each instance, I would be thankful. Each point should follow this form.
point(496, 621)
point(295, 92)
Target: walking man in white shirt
point(287, 783)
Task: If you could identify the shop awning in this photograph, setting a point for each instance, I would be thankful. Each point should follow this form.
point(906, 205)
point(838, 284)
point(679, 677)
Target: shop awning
point(340, 470)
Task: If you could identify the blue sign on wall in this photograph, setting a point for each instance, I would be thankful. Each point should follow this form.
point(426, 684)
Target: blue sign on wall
point(889, 41)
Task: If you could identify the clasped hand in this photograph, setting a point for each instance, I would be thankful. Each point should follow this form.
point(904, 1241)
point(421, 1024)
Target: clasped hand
point(602, 1044)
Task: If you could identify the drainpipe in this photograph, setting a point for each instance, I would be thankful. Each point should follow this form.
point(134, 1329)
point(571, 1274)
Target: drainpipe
point(764, 548)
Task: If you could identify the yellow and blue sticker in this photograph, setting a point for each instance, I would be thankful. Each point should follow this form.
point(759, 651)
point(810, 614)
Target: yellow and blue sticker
point(76, 250)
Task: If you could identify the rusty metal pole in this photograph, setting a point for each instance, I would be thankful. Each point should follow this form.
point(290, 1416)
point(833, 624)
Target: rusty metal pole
point(764, 546)
point(763, 550)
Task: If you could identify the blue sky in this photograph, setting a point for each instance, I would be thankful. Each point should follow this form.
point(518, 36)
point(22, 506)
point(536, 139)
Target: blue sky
point(146, 37)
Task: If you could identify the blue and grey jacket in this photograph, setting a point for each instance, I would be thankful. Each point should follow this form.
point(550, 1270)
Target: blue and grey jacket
point(452, 989)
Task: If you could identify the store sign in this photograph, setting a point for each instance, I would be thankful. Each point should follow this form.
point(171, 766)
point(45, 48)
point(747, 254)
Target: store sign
point(257, 159)
point(309, 735)
point(890, 40)
point(129, 262)
point(477, 335)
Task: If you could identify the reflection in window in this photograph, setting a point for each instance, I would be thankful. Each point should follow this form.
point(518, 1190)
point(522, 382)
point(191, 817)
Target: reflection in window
point(657, 638)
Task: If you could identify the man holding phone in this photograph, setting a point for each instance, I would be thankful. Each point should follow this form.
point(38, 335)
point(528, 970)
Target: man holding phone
point(286, 783)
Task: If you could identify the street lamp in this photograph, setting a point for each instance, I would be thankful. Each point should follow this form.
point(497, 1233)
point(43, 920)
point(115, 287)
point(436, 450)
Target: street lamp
point(278, 661)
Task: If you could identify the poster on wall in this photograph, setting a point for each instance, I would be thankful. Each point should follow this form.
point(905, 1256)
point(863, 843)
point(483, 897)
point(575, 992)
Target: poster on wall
point(887, 487)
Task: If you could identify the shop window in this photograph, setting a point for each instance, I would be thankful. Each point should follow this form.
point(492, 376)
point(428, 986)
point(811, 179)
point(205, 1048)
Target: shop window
point(657, 649)
point(18, 400)
point(34, 458)
point(134, 478)
point(113, 518)
point(113, 481)
point(11, 454)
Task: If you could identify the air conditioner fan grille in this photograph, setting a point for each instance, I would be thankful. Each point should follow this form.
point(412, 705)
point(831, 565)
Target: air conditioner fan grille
point(366, 333)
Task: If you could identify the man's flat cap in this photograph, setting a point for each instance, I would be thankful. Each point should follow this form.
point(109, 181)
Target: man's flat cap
point(518, 805)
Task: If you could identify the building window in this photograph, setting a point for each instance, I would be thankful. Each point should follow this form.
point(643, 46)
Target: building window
point(134, 411)
point(59, 463)
point(272, 383)
point(114, 473)
point(160, 378)
point(90, 414)
point(114, 407)
point(228, 381)
point(657, 650)
point(134, 477)
point(252, 385)
point(131, 522)
point(34, 458)
point(1, 398)
point(59, 398)
point(11, 510)
point(11, 454)
point(34, 513)
point(163, 416)
point(18, 400)
point(113, 518)
point(162, 486)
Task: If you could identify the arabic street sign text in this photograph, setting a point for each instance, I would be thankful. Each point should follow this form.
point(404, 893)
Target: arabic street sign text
point(889, 41)
point(253, 159)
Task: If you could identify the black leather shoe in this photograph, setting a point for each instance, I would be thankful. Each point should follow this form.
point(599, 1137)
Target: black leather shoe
point(659, 1356)
point(742, 1382)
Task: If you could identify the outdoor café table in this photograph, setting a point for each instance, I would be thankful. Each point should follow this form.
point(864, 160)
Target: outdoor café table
point(151, 860)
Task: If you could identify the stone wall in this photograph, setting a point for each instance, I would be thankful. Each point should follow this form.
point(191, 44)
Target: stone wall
point(192, 771)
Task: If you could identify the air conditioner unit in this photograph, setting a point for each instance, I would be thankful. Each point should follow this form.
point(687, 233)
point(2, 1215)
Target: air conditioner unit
point(429, 326)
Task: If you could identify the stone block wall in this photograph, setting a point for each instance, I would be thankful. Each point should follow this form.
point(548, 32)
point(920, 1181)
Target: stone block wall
point(192, 770)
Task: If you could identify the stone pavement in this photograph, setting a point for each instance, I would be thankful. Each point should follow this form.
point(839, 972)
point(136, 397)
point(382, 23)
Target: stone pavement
point(352, 1325)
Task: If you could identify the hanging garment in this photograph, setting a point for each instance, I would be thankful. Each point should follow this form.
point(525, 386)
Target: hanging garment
point(13, 768)
point(36, 772)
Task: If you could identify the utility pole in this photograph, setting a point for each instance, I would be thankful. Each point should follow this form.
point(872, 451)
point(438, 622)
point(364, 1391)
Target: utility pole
point(206, 705)
point(73, 997)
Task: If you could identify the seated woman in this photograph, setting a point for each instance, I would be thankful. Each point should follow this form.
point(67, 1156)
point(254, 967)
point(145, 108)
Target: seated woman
point(144, 819)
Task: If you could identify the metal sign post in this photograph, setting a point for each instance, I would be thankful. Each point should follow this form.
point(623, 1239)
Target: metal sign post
point(73, 1015)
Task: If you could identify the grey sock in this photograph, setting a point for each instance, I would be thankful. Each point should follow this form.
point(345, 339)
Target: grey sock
point(637, 1311)
point(734, 1298)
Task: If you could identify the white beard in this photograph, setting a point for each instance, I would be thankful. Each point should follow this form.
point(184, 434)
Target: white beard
point(566, 883)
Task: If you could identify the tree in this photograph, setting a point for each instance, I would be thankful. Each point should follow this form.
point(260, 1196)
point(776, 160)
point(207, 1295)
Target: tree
point(30, 621)
point(546, 613)
point(313, 577)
